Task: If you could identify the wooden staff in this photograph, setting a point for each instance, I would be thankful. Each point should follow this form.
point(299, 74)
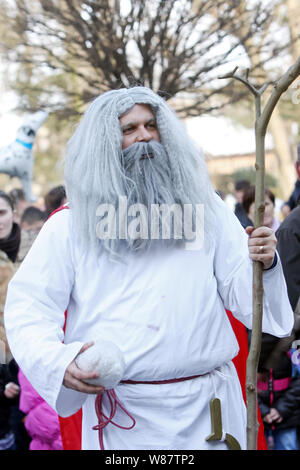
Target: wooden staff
point(261, 123)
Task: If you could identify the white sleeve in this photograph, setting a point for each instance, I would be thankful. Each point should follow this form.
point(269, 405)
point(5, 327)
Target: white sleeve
point(234, 273)
point(37, 298)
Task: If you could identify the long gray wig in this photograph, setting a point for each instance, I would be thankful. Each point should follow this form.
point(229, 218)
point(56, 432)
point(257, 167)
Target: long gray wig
point(94, 173)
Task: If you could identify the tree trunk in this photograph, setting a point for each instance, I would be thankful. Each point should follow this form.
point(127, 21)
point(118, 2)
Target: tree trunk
point(277, 128)
point(293, 8)
point(285, 159)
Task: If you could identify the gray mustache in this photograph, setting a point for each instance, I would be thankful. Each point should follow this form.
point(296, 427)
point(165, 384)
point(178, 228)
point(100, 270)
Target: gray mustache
point(148, 155)
point(141, 151)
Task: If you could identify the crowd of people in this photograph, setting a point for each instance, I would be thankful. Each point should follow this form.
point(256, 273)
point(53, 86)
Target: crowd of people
point(128, 300)
point(26, 420)
point(278, 375)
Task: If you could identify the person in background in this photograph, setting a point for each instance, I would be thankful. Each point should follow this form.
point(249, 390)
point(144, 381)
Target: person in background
point(41, 421)
point(248, 204)
point(288, 236)
point(18, 400)
point(9, 395)
point(293, 200)
point(12, 432)
point(278, 393)
point(240, 188)
point(10, 238)
point(55, 198)
point(32, 221)
point(20, 203)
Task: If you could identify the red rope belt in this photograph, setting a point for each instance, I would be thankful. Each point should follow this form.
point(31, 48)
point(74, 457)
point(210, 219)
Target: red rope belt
point(104, 420)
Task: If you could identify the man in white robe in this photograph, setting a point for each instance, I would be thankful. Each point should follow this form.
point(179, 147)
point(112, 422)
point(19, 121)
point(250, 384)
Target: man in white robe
point(162, 302)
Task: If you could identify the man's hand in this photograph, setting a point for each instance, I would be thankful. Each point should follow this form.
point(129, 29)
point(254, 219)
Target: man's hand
point(75, 378)
point(11, 390)
point(272, 416)
point(262, 245)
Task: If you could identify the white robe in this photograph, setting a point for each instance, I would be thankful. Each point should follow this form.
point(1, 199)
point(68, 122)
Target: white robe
point(165, 311)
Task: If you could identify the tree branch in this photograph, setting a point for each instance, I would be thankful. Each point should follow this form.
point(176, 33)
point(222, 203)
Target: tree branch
point(279, 88)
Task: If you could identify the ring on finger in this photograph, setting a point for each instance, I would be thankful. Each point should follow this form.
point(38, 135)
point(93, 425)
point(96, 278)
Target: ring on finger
point(261, 249)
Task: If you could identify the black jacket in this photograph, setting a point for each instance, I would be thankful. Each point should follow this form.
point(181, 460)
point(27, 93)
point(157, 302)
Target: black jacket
point(8, 373)
point(288, 246)
point(294, 197)
point(286, 402)
point(242, 216)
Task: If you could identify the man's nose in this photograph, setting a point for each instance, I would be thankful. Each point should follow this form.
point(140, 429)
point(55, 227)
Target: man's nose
point(143, 135)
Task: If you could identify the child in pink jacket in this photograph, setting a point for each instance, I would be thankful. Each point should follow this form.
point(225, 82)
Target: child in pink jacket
point(41, 421)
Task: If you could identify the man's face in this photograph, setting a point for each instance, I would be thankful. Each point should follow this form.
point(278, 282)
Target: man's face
point(138, 125)
point(239, 195)
point(33, 227)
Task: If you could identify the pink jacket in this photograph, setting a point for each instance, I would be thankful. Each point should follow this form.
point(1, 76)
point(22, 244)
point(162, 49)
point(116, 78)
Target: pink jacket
point(41, 421)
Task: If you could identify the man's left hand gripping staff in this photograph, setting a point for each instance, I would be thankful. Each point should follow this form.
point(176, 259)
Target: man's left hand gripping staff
point(262, 245)
point(75, 378)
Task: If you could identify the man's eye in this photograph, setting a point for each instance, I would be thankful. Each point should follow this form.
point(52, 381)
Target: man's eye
point(127, 130)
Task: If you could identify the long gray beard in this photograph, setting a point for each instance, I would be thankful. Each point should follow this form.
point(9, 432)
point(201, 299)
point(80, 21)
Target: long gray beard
point(147, 167)
point(149, 183)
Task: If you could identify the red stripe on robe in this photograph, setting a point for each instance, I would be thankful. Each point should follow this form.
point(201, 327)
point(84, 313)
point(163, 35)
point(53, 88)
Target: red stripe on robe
point(240, 365)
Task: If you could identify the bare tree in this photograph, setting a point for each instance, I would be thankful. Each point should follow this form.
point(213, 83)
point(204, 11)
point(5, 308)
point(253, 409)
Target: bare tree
point(255, 46)
point(69, 51)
